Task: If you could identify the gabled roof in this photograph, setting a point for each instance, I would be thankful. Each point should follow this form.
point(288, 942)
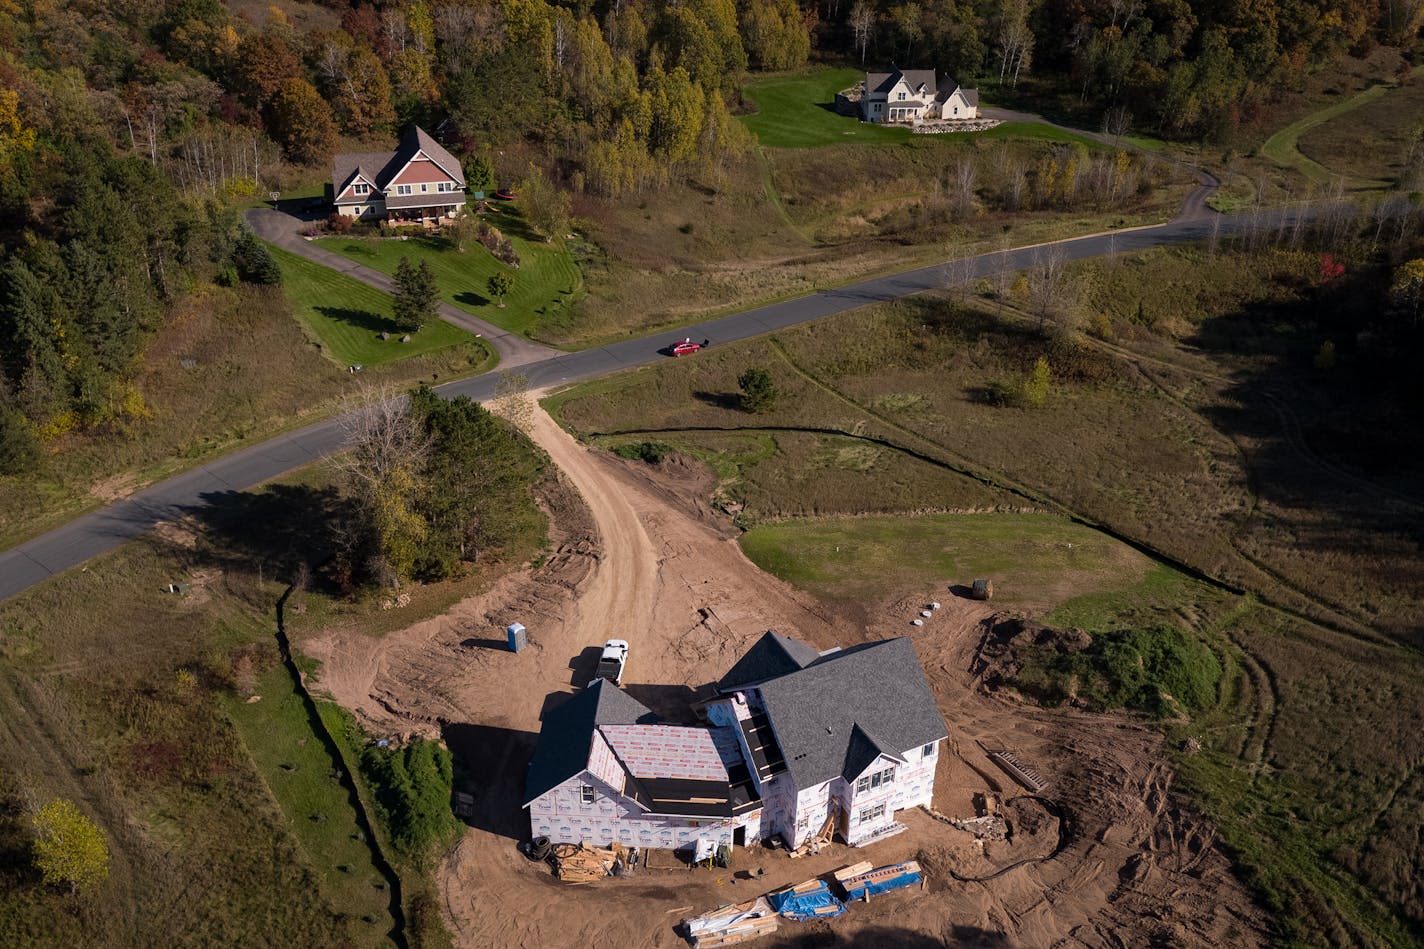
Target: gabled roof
point(772, 655)
point(380, 167)
point(971, 96)
point(370, 165)
point(914, 78)
point(416, 139)
point(847, 705)
point(566, 739)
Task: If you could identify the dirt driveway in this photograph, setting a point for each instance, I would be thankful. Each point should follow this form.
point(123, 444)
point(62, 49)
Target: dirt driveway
point(641, 556)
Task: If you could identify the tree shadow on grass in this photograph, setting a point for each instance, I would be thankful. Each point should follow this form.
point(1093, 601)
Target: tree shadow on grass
point(269, 533)
point(730, 401)
point(470, 298)
point(374, 323)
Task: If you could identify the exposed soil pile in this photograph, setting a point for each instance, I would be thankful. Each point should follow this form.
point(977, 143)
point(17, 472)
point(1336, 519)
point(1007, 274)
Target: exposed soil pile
point(1008, 640)
point(1106, 857)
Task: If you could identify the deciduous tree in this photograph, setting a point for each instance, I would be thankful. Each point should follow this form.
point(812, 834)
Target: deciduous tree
point(69, 848)
point(299, 120)
point(500, 283)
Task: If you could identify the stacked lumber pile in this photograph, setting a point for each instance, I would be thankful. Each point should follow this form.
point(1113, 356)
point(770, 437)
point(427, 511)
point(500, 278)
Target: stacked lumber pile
point(810, 900)
point(860, 881)
point(584, 863)
point(852, 870)
point(731, 924)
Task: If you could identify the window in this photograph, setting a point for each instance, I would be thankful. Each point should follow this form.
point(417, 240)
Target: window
point(586, 791)
point(363, 189)
point(803, 823)
point(402, 189)
point(874, 812)
point(424, 188)
point(928, 751)
point(872, 781)
point(445, 186)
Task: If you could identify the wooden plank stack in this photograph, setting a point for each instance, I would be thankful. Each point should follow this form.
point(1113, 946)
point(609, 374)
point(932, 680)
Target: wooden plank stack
point(896, 876)
point(732, 924)
point(584, 863)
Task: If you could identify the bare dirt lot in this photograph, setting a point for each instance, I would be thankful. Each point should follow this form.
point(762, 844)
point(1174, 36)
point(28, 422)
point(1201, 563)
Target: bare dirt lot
point(1113, 859)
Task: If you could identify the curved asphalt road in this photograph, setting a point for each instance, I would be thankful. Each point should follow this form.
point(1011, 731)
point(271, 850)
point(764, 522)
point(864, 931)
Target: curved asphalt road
point(105, 529)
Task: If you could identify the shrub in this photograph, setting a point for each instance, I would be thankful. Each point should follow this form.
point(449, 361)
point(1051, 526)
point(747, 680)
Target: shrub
point(1128, 668)
point(413, 786)
point(650, 452)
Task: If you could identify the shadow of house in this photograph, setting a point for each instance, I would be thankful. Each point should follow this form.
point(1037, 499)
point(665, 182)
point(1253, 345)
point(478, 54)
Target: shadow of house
point(672, 703)
point(491, 763)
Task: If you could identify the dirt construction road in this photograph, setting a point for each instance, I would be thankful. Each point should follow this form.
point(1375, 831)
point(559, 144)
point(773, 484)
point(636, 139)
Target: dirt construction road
point(640, 554)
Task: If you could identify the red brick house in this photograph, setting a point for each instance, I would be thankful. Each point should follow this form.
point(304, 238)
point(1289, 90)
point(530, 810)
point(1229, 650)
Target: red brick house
point(420, 181)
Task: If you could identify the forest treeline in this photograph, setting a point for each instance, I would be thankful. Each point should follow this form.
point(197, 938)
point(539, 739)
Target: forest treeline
point(126, 128)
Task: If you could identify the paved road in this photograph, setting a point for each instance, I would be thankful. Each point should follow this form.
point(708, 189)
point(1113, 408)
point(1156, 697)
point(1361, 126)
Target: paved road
point(103, 530)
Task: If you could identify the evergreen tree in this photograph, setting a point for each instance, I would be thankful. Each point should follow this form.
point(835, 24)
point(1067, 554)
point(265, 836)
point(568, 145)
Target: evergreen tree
point(415, 296)
point(759, 393)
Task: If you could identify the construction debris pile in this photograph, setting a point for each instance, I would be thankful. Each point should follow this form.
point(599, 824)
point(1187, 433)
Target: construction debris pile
point(731, 924)
point(584, 863)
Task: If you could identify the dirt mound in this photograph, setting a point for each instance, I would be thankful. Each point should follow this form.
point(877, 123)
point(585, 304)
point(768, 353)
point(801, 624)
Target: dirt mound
point(1009, 641)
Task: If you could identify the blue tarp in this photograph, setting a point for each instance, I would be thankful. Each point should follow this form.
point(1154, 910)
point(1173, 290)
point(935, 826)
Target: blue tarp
point(859, 890)
point(815, 904)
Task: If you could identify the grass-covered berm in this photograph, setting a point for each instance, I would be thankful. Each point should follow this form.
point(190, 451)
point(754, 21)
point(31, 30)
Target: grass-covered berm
point(1189, 414)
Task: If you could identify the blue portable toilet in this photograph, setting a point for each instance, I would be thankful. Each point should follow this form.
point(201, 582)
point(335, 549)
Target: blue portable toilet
point(518, 637)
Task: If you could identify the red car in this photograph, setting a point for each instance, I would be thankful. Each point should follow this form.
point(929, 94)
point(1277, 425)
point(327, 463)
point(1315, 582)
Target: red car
point(685, 348)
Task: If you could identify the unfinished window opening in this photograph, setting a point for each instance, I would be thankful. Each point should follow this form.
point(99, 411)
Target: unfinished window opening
point(871, 813)
point(586, 793)
point(929, 750)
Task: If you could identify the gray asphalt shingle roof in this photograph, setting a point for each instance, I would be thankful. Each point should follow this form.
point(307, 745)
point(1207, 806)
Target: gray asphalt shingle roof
point(835, 716)
point(772, 655)
point(567, 736)
point(914, 78)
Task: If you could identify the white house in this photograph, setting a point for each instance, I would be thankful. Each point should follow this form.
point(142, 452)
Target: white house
point(911, 95)
point(795, 738)
point(418, 181)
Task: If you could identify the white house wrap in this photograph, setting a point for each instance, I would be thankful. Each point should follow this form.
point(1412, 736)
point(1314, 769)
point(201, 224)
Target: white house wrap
point(795, 737)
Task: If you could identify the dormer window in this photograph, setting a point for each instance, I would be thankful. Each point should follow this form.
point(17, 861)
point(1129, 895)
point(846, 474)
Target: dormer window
point(362, 188)
point(900, 95)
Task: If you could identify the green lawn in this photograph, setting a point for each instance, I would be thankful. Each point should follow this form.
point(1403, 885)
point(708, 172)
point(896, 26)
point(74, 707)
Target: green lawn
point(547, 282)
point(347, 317)
point(798, 112)
point(1036, 559)
point(299, 771)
